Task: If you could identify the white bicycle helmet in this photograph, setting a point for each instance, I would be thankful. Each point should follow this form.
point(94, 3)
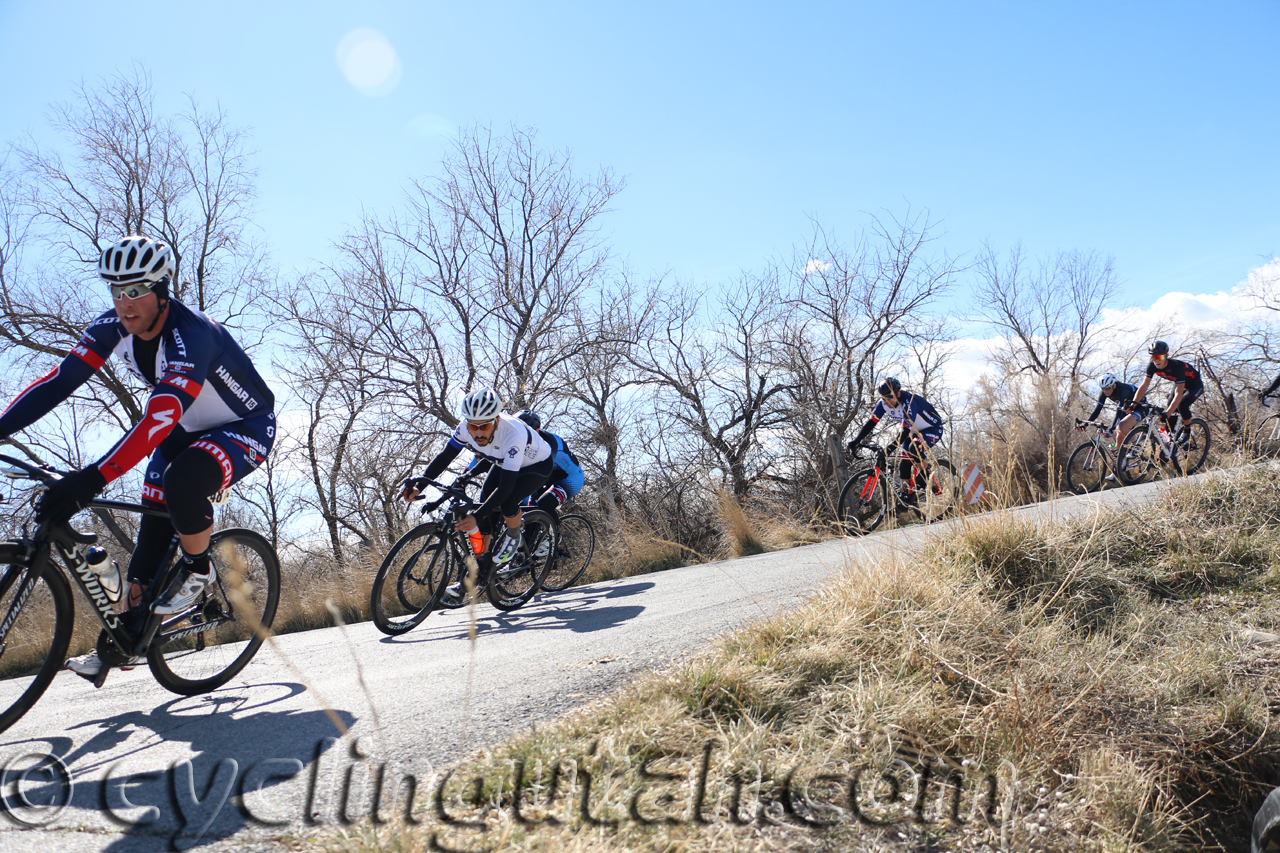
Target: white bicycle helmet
point(1109, 381)
point(482, 405)
point(136, 260)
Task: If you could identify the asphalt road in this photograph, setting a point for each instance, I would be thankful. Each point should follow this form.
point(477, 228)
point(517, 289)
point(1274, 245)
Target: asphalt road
point(142, 769)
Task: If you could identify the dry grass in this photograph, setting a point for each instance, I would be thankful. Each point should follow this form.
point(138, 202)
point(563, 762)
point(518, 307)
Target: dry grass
point(1093, 674)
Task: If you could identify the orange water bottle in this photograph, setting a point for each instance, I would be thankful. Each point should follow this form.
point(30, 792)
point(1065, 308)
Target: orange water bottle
point(476, 537)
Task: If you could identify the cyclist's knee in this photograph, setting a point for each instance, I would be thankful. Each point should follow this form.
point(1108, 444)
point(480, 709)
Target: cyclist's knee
point(187, 489)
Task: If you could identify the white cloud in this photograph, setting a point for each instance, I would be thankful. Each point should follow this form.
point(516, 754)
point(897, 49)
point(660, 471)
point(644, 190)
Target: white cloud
point(816, 265)
point(1125, 332)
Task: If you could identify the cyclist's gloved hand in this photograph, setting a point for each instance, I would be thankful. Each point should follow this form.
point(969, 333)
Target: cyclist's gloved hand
point(412, 485)
point(71, 494)
point(854, 450)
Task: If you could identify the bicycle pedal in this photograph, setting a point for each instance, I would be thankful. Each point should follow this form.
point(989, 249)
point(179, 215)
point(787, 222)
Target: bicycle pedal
point(101, 678)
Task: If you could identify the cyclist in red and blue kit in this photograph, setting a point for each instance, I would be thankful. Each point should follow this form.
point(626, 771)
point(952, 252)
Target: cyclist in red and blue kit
point(914, 413)
point(208, 423)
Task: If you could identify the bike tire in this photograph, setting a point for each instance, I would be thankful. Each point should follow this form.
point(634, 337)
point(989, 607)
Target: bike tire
point(576, 542)
point(242, 602)
point(1266, 438)
point(36, 645)
point(1136, 462)
point(410, 580)
point(941, 492)
point(1192, 451)
point(513, 585)
point(1085, 469)
point(863, 501)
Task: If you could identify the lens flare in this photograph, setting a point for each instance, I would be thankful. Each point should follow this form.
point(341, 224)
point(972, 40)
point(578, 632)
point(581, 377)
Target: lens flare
point(369, 62)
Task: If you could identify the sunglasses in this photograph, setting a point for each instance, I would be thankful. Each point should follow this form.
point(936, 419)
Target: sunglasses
point(1159, 358)
point(481, 424)
point(133, 291)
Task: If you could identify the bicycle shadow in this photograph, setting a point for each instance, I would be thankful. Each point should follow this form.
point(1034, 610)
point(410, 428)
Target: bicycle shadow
point(575, 609)
point(190, 772)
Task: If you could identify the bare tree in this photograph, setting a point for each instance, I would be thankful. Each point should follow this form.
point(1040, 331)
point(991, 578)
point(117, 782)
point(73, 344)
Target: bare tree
point(721, 385)
point(600, 381)
point(507, 240)
point(1048, 310)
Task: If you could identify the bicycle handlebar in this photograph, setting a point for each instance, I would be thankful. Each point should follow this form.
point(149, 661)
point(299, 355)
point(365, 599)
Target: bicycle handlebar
point(24, 470)
point(450, 491)
point(1082, 425)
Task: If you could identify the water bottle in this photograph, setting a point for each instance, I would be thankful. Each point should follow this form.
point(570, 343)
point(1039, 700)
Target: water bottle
point(101, 564)
point(477, 539)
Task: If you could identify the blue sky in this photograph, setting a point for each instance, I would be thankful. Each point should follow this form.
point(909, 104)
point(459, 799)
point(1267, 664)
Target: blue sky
point(1142, 130)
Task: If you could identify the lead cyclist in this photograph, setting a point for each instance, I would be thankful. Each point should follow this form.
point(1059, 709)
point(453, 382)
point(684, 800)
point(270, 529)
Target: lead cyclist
point(208, 423)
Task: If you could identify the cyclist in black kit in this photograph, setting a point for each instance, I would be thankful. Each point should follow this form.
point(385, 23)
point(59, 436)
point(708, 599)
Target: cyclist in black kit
point(1120, 393)
point(1188, 386)
point(208, 423)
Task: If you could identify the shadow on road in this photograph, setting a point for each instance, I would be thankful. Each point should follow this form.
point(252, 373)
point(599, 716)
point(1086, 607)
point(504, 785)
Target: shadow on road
point(187, 773)
point(578, 609)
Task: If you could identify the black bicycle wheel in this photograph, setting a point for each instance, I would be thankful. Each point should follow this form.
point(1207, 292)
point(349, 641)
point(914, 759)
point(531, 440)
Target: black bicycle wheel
point(410, 579)
point(39, 634)
point(577, 542)
point(1138, 461)
point(1085, 469)
point(233, 615)
point(1265, 443)
point(941, 492)
point(862, 501)
point(1192, 445)
point(512, 585)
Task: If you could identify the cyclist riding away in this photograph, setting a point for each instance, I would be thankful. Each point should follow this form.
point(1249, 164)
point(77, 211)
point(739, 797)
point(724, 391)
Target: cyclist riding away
point(1188, 386)
point(208, 423)
point(1120, 393)
point(911, 410)
point(523, 463)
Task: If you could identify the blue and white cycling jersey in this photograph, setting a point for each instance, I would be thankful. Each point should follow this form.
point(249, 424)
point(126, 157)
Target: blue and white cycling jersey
point(914, 410)
point(200, 378)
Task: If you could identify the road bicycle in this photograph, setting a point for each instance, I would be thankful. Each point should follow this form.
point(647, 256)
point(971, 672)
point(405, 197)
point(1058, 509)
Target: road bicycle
point(1264, 441)
point(412, 580)
point(1154, 447)
point(189, 653)
point(932, 488)
point(1091, 462)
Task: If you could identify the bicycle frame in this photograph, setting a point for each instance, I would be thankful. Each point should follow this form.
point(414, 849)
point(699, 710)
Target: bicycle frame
point(67, 543)
point(883, 468)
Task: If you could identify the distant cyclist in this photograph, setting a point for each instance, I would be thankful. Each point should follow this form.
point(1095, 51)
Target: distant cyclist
point(208, 423)
point(522, 463)
point(1122, 394)
point(1188, 386)
point(910, 410)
